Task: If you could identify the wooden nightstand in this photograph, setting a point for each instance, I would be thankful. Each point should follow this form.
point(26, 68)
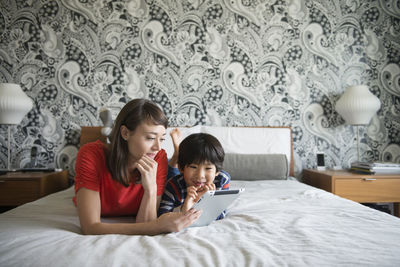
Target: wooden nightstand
point(17, 188)
point(363, 188)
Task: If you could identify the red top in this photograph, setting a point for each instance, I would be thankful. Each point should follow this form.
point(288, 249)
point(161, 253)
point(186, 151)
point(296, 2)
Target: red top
point(116, 200)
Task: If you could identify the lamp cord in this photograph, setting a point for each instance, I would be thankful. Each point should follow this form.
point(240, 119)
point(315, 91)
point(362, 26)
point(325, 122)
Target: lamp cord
point(358, 144)
point(8, 148)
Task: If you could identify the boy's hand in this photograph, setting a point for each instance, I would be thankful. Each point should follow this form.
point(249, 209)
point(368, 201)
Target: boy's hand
point(207, 187)
point(191, 198)
point(194, 193)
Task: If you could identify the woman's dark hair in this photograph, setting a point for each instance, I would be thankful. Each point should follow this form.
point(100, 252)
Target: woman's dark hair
point(199, 148)
point(131, 115)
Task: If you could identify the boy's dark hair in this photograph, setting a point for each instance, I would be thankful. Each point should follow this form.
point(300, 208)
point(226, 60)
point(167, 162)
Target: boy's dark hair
point(199, 148)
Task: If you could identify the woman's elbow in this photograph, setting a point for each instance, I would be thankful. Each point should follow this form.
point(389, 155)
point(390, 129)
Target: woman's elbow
point(89, 229)
point(86, 231)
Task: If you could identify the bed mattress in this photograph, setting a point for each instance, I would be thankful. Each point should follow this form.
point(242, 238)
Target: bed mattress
point(273, 223)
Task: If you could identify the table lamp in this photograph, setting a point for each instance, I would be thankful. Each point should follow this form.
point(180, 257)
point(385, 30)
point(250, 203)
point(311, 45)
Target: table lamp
point(14, 105)
point(357, 106)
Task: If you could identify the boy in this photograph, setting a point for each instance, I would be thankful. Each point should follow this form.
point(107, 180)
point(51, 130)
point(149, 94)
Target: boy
point(199, 161)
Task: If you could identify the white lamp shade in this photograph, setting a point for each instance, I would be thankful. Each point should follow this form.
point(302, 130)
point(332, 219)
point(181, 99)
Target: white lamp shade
point(14, 103)
point(357, 105)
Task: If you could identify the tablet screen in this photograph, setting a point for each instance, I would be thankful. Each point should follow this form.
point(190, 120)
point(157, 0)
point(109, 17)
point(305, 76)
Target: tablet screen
point(213, 203)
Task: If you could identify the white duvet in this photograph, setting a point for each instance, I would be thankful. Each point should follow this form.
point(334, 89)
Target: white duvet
point(273, 223)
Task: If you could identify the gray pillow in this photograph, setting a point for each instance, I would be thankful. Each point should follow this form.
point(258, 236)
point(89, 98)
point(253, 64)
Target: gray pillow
point(256, 166)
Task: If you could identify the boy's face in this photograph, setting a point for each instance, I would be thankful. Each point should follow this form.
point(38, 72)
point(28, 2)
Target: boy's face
point(199, 174)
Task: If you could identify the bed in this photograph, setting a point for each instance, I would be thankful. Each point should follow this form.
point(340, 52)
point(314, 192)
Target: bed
point(277, 221)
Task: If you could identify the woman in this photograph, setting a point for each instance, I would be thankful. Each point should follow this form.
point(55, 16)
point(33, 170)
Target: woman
point(127, 177)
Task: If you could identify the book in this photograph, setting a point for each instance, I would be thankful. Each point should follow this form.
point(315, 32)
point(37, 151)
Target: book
point(387, 171)
point(368, 171)
point(376, 164)
point(376, 167)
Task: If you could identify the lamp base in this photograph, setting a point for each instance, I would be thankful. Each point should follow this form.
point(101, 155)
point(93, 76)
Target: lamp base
point(9, 147)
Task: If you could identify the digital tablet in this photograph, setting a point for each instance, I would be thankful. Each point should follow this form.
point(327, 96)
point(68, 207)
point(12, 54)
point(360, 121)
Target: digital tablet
point(213, 203)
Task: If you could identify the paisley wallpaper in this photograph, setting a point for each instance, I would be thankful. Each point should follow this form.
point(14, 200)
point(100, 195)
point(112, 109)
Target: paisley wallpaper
point(227, 63)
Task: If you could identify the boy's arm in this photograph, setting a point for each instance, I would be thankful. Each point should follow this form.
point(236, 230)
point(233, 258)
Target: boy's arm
point(222, 180)
point(168, 200)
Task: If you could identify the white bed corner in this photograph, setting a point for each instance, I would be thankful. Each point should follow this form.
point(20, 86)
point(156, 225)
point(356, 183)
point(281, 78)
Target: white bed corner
point(274, 223)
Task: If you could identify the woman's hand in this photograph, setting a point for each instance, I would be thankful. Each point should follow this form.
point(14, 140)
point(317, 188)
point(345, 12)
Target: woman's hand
point(176, 221)
point(148, 170)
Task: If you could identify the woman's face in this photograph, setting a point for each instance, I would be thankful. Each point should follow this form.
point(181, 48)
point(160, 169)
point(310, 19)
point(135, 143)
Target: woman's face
point(145, 139)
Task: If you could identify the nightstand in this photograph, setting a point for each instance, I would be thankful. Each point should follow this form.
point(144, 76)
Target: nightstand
point(17, 188)
point(363, 188)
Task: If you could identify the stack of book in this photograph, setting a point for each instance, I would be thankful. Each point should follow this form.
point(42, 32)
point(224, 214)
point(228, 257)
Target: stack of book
point(376, 167)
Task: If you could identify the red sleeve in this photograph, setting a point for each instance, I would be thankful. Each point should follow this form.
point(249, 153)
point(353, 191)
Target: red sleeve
point(162, 170)
point(90, 161)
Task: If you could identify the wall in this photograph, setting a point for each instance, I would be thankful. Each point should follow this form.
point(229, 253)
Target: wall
point(264, 63)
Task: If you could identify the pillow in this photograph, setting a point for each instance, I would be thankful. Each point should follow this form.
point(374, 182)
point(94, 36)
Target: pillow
point(256, 166)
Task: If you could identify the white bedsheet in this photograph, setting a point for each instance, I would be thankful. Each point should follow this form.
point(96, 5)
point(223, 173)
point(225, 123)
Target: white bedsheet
point(274, 223)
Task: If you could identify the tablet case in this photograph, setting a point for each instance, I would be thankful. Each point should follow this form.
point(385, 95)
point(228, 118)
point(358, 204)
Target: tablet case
point(213, 203)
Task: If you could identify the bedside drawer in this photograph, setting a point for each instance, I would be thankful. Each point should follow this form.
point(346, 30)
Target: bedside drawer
point(369, 189)
point(14, 193)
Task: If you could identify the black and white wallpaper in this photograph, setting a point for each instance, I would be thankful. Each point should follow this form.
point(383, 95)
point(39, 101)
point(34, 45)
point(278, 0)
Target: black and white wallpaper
point(227, 63)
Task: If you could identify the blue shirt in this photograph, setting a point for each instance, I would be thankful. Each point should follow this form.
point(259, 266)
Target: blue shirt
point(175, 192)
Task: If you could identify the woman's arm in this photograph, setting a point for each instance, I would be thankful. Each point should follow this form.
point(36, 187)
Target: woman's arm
point(148, 207)
point(149, 203)
point(89, 209)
